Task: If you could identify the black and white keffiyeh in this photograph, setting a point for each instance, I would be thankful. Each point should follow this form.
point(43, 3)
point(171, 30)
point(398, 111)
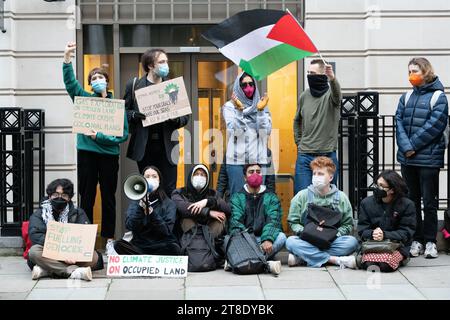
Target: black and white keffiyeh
point(47, 212)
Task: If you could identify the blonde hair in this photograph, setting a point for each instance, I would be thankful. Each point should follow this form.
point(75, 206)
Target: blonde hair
point(323, 162)
point(424, 66)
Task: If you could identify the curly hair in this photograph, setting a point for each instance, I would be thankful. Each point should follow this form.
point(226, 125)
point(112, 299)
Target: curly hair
point(323, 162)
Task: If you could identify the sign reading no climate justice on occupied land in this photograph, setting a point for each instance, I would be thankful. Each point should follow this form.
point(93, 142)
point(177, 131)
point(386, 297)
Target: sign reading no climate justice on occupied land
point(147, 266)
point(163, 101)
point(99, 114)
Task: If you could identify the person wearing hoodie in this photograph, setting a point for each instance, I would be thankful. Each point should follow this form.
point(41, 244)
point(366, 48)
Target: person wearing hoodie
point(151, 221)
point(316, 122)
point(98, 153)
point(249, 124)
point(321, 193)
point(58, 206)
point(258, 210)
point(197, 203)
point(387, 215)
point(421, 120)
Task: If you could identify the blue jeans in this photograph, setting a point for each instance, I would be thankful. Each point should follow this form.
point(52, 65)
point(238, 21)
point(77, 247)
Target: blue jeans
point(235, 173)
point(277, 245)
point(303, 172)
point(314, 257)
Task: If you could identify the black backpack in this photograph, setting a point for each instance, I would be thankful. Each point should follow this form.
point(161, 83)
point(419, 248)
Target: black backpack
point(244, 255)
point(198, 244)
point(321, 223)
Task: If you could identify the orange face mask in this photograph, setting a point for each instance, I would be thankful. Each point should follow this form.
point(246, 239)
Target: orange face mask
point(415, 79)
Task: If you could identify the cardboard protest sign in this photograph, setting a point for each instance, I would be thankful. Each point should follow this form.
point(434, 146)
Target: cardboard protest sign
point(99, 114)
point(147, 266)
point(70, 241)
point(163, 101)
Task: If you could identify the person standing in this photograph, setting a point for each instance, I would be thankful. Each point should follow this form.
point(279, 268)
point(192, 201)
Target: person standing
point(98, 153)
point(157, 144)
point(316, 122)
point(421, 119)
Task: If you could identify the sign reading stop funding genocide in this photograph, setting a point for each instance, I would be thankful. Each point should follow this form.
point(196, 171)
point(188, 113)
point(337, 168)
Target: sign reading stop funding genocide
point(99, 114)
point(163, 101)
point(147, 266)
point(69, 241)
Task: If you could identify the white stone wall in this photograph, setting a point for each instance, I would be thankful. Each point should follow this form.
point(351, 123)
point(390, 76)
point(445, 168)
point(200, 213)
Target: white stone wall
point(31, 55)
point(372, 41)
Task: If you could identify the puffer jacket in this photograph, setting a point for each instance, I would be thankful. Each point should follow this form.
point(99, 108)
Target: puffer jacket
point(421, 129)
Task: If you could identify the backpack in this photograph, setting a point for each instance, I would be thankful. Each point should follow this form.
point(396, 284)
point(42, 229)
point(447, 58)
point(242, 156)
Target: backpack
point(244, 255)
point(26, 239)
point(321, 223)
point(433, 101)
point(198, 244)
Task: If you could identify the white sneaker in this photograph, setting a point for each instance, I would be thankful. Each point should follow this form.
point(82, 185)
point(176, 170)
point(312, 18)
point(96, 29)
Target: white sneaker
point(226, 267)
point(416, 249)
point(109, 250)
point(347, 262)
point(294, 261)
point(38, 273)
point(274, 267)
point(128, 236)
point(431, 250)
point(82, 273)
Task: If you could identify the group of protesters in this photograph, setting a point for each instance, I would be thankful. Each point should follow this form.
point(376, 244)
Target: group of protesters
point(245, 198)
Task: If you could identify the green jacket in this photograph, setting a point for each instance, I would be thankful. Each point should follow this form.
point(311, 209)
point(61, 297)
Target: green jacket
point(103, 143)
point(299, 204)
point(266, 219)
point(316, 122)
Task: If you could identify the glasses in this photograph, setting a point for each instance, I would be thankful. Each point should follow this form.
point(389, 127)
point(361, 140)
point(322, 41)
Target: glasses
point(65, 196)
point(382, 188)
point(245, 84)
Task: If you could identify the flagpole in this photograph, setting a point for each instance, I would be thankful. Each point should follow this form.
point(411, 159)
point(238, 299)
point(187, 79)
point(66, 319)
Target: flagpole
point(318, 51)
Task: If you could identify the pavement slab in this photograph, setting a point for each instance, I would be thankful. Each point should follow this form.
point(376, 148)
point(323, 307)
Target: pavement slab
point(68, 294)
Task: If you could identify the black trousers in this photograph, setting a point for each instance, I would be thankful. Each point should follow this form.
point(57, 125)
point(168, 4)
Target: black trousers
point(423, 183)
point(94, 168)
point(155, 155)
point(162, 247)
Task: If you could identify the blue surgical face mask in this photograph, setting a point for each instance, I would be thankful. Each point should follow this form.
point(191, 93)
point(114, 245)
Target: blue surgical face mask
point(99, 85)
point(163, 70)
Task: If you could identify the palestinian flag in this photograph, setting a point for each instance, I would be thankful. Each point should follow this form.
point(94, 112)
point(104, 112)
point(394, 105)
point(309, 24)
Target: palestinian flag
point(261, 41)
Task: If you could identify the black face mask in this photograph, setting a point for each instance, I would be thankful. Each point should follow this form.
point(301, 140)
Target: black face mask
point(379, 194)
point(318, 84)
point(58, 204)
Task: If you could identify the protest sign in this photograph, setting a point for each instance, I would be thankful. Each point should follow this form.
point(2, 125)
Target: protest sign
point(147, 266)
point(70, 241)
point(99, 114)
point(163, 101)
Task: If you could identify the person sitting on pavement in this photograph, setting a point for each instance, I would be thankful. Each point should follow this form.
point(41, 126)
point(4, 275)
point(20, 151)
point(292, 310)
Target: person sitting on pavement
point(151, 221)
point(58, 206)
point(387, 215)
point(196, 203)
point(257, 209)
point(324, 194)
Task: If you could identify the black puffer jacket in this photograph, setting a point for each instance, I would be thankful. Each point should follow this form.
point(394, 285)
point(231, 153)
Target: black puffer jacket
point(396, 220)
point(37, 227)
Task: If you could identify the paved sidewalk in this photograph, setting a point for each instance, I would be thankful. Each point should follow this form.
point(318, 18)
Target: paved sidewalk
point(421, 279)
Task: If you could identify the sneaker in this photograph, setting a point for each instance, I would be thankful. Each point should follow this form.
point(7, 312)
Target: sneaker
point(347, 262)
point(430, 250)
point(274, 267)
point(416, 249)
point(82, 273)
point(38, 273)
point(109, 250)
point(294, 261)
point(226, 267)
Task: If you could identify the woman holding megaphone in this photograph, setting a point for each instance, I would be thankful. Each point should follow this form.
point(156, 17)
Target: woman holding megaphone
point(151, 217)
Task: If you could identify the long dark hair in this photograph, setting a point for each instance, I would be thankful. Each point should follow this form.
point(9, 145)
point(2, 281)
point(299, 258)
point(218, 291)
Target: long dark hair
point(395, 182)
point(160, 191)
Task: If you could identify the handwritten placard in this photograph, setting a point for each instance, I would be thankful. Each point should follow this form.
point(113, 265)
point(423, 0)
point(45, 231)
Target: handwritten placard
point(147, 266)
point(70, 241)
point(163, 101)
point(99, 114)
